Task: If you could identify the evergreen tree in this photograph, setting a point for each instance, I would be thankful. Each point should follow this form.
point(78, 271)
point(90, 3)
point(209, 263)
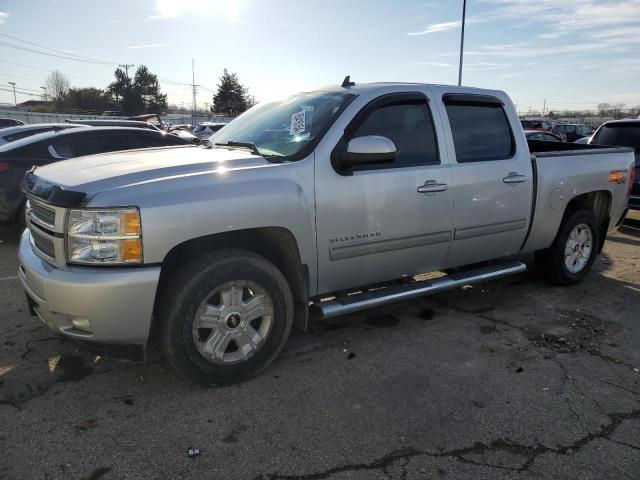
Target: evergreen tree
point(146, 85)
point(142, 95)
point(232, 97)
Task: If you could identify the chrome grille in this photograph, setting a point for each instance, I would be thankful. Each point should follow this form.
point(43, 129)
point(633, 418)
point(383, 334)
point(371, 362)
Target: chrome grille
point(43, 244)
point(44, 214)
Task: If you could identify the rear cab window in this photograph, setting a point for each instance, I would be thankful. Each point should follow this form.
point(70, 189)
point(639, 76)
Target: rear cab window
point(480, 128)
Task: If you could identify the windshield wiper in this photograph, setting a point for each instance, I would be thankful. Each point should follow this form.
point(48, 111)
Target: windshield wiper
point(250, 145)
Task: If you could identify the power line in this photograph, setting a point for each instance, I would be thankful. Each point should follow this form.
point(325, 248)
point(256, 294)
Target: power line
point(19, 47)
point(54, 50)
point(48, 71)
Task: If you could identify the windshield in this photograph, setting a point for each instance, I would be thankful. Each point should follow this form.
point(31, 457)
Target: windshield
point(285, 128)
point(619, 135)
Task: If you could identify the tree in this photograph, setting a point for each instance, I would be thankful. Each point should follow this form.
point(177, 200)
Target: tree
point(92, 99)
point(232, 97)
point(604, 109)
point(146, 85)
point(57, 84)
point(120, 86)
point(142, 95)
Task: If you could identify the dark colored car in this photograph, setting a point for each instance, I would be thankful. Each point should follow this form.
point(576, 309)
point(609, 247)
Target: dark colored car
point(185, 135)
point(115, 122)
point(570, 132)
point(540, 125)
point(151, 118)
point(10, 122)
point(16, 158)
point(11, 134)
point(623, 133)
point(538, 135)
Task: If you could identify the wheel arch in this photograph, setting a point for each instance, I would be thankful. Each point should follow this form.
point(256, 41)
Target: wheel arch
point(276, 244)
point(598, 202)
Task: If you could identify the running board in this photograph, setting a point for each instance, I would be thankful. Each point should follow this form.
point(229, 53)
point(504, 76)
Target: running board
point(362, 301)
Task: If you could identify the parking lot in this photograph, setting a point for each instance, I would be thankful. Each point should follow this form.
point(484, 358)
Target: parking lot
point(513, 376)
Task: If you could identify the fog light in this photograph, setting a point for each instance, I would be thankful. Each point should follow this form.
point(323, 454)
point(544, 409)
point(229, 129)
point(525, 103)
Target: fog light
point(81, 324)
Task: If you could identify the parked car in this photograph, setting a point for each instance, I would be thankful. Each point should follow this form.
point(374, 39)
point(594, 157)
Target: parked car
point(10, 122)
point(623, 133)
point(153, 119)
point(583, 140)
point(181, 126)
point(11, 134)
point(570, 132)
point(137, 124)
point(540, 125)
point(299, 206)
point(19, 156)
point(539, 135)
point(206, 129)
point(115, 122)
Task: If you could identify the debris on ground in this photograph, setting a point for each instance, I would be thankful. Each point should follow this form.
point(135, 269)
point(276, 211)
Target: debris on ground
point(193, 452)
point(351, 356)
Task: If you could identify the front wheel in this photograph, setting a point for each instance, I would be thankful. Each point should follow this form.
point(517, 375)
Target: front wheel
point(225, 316)
point(570, 257)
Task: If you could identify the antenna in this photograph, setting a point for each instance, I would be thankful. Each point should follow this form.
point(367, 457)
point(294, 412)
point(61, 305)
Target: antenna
point(346, 83)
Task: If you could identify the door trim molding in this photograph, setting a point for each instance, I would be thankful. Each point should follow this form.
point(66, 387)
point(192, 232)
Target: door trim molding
point(489, 229)
point(339, 252)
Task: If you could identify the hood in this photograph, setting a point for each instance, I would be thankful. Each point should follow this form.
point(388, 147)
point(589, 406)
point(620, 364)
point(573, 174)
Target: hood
point(88, 175)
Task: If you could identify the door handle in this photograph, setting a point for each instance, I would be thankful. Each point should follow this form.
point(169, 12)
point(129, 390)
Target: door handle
point(514, 177)
point(431, 186)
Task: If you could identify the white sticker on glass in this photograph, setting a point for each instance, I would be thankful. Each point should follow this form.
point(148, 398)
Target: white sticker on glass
point(297, 123)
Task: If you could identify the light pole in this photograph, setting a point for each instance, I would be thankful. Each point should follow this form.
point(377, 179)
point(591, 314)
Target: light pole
point(15, 102)
point(464, 12)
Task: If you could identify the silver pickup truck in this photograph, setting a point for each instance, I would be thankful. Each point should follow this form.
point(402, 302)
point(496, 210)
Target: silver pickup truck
point(326, 203)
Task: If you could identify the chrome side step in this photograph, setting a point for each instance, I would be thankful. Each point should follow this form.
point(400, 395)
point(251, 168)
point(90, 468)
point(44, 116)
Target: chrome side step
point(384, 296)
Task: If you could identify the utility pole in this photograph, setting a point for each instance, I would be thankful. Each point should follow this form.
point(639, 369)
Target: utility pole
point(193, 84)
point(544, 107)
point(464, 13)
point(44, 93)
point(15, 102)
point(126, 67)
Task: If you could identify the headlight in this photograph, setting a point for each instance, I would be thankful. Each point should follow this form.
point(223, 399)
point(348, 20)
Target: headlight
point(107, 236)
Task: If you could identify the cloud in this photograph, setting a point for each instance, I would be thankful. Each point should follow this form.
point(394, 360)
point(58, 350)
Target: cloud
point(227, 10)
point(150, 45)
point(438, 27)
point(555, 19)
point(3, 17)
point(434, 64)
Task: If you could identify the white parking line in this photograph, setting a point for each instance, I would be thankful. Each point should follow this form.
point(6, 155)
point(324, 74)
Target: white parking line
point(9, 278)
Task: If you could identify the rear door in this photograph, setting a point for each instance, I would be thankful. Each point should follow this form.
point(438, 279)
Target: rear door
point(381, 222)
point(492, 177)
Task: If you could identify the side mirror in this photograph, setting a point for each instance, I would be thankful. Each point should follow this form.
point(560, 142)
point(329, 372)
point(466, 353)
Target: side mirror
point(369, 150)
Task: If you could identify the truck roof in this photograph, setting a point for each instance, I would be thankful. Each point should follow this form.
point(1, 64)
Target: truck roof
point(369, 87)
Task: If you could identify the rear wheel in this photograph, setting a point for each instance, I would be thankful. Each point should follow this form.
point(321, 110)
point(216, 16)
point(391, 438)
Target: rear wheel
point(570, 258)
point(225, 317)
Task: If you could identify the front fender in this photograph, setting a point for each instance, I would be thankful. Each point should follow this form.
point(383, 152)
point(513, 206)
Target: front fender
point(179, 209)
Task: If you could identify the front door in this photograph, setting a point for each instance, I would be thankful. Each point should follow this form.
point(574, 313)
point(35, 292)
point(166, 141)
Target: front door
point(380, 222)
point(492, 179)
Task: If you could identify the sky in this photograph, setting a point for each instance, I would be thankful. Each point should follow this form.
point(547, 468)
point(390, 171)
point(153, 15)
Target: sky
point(571, 53)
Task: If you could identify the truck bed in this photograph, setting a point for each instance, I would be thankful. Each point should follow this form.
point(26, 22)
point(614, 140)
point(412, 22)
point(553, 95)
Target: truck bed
point(543, 148)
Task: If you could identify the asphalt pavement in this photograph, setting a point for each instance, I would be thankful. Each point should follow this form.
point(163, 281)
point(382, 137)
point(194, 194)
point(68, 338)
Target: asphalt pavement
point(510, 379)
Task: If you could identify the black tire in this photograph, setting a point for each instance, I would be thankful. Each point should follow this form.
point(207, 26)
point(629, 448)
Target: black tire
point(190, 285)
point(551, 262)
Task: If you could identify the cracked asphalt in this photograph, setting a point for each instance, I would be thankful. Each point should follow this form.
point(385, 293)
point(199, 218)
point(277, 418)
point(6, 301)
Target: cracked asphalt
point(510, 379)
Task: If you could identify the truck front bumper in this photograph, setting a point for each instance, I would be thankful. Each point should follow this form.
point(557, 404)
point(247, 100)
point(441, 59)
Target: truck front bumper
point(102, 307)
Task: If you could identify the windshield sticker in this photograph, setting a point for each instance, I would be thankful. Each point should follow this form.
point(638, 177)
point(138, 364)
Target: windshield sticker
point(297, 123)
